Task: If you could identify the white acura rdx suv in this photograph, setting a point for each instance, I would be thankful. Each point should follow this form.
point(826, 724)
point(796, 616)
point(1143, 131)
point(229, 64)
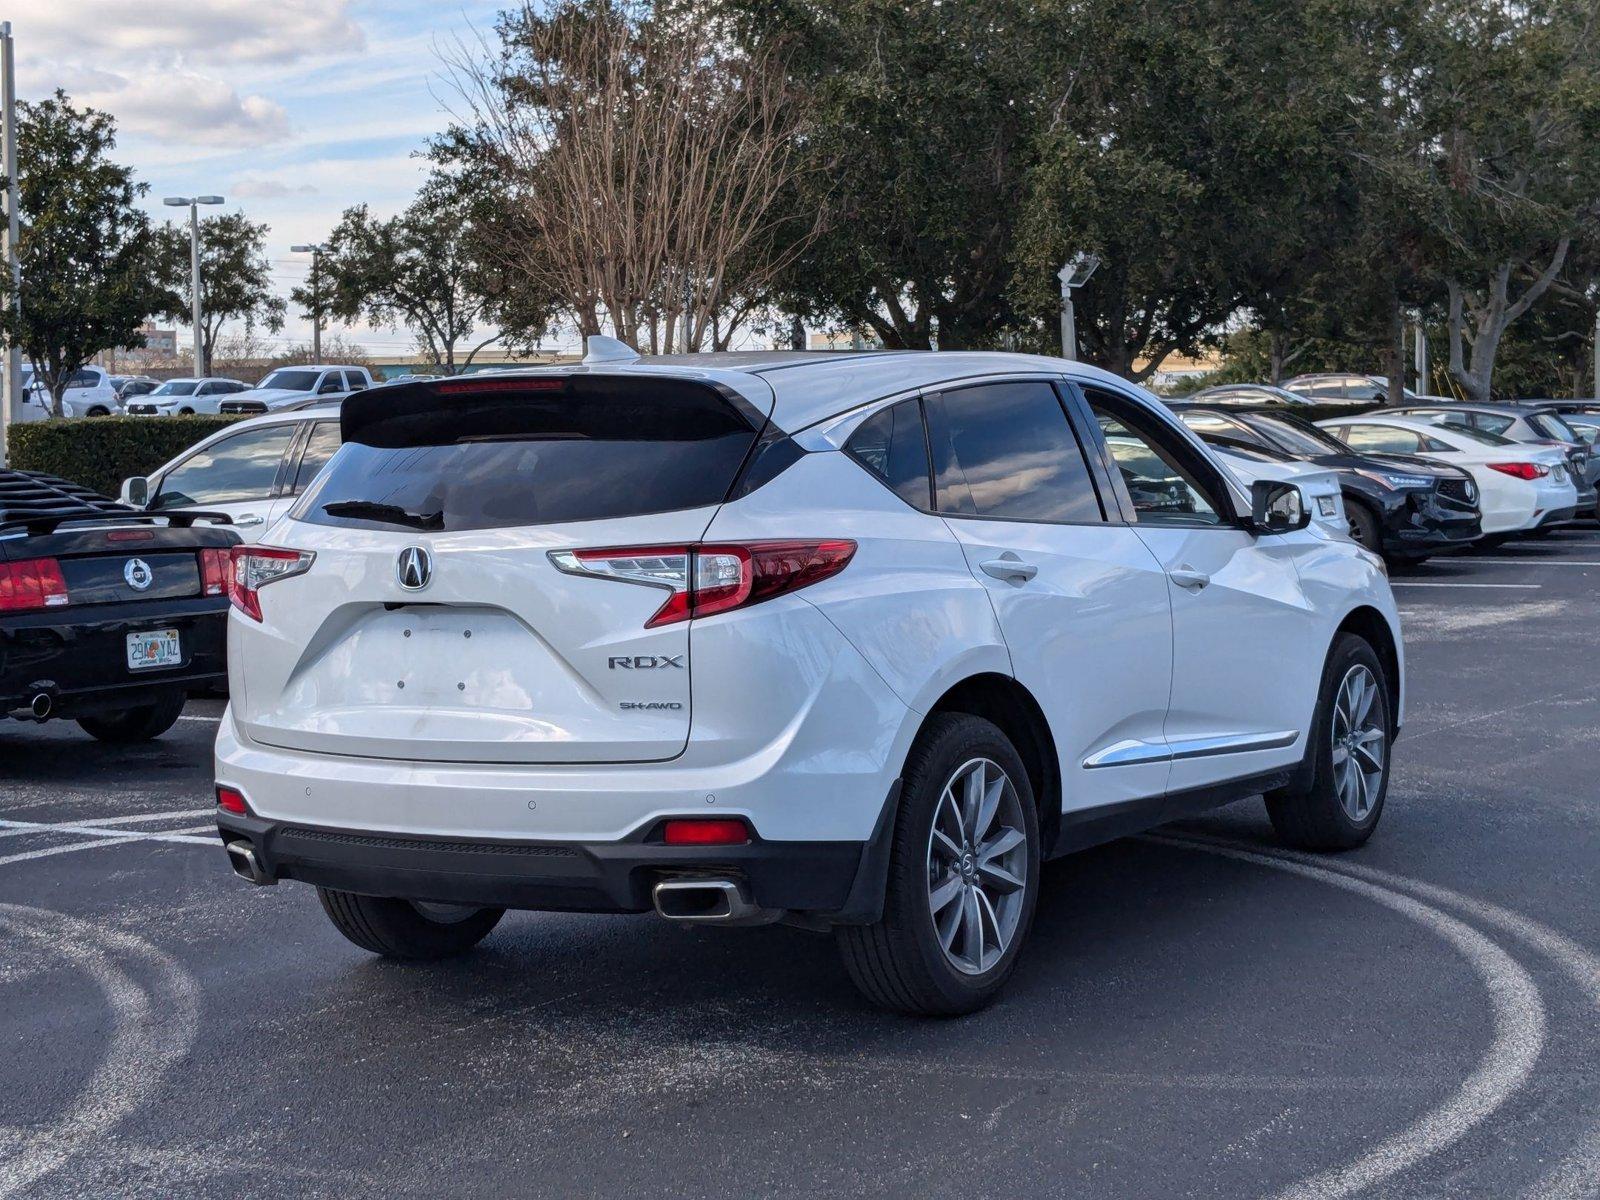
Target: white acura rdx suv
point(853, 641)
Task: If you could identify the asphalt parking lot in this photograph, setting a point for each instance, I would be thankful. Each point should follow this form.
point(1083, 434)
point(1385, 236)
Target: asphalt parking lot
point(1199, 1013)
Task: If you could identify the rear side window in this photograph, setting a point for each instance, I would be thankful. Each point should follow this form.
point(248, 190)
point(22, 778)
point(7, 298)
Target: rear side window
point(1382, 438)
point(503, 453)
point(893, 446)
point(320, 447)
point(1006, 451)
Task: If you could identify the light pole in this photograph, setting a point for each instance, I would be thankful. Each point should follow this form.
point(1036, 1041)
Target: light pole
point(316, 250)
point(1073, 275)
point(11, 383)
point(1421, 334)
point(194, 203)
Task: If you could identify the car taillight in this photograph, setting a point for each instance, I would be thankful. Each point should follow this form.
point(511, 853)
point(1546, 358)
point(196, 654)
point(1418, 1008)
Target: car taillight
point(214, 571)
point(1522, 470)
point(713, 577)
point(253, 567)
point(32, 583)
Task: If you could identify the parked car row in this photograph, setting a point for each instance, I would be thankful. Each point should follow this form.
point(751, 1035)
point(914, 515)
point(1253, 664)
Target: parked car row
point(93, 392)
point(1429, 475)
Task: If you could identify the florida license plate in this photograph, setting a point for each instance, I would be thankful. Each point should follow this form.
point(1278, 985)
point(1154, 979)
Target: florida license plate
point(154, 648)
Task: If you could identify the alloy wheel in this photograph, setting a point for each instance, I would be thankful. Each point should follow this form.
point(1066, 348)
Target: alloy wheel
point(1358, 743)
point(977, 866)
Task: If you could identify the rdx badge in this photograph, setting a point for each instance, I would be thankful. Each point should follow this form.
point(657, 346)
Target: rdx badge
point(646, 662)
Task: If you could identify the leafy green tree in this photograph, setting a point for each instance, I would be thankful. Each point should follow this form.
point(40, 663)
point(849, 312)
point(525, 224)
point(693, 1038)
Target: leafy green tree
point(88, 256)
point(235, 278)
point(1514, 110)
point(421, 270)
point(919, 135)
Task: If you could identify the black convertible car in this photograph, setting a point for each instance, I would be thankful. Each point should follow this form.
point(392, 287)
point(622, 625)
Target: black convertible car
point(108, 616)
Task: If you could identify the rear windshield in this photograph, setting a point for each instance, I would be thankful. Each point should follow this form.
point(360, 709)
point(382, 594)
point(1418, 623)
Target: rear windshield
point(1552, 426)
point(294, 381)
point(595, 449)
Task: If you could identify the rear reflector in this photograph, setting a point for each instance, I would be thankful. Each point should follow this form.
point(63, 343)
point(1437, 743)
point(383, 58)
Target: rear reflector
point(32, 583)
point(231, 800)
point(705, 831)
point(712, 578)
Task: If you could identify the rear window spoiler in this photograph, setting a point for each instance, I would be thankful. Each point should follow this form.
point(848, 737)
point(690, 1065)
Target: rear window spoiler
point(49, 522)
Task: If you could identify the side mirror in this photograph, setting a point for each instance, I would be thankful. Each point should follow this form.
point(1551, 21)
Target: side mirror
point(136, 492)
point(1277, 507)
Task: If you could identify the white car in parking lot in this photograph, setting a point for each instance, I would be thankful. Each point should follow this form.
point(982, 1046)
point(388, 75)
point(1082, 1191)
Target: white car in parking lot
point(1521, 486)
point(292, 387)
point(850, 640)
point(252, 471)
point(89, 393)
point(180, 397)
point(1321, 487)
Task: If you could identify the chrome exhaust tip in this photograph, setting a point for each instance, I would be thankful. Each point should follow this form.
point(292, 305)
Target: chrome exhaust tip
point(42, 705)
point(709, 902)
point(242, 857)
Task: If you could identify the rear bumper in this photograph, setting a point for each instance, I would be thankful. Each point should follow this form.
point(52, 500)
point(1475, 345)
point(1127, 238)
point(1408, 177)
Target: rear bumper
point(82, 663)
point(841, 880)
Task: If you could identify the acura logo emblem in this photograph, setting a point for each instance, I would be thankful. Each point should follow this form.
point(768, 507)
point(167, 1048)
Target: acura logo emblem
point(415, 568)
point(138, 574)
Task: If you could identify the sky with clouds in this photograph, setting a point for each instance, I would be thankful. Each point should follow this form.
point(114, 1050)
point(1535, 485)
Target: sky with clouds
point(293, 110)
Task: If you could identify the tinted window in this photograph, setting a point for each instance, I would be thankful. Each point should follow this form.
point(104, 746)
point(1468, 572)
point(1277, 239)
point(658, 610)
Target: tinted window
point(1162, 479)
point(1208, 426)
point(1491, 422)
point(354, 381)
point(83, 379)
point(242, 467)
point(1553, 427)
point(294, 381)
point(1005, 450)
point(590, 448)
point(319, 449)
point(1296, 436)
point(891, 444)
point(1382, 438)
point(332, 382)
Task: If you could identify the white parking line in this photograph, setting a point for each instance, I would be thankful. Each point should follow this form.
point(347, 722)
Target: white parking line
point(208, 720)
point(1443, 584)
point(118, 835)
point(24, 827)
point(1515, 1044)
point(1533, 562)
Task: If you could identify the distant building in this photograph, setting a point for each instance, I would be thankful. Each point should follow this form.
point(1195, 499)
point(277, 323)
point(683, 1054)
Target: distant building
point(160, 345)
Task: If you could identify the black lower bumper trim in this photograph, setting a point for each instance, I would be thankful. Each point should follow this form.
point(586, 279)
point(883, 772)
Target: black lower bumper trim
point(808, 877)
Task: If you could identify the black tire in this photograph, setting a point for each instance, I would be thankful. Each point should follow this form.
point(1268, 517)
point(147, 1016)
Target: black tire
point(399, 929)
point(1364, 528)
point(98, 411)
point(1313, 817)
point(136, 724)
point(899, 963)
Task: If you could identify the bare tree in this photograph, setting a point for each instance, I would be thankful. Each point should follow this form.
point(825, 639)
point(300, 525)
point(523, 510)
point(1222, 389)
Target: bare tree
point(638, 160)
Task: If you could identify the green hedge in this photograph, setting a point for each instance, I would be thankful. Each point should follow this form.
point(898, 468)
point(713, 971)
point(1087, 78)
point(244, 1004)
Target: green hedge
point(100, 452)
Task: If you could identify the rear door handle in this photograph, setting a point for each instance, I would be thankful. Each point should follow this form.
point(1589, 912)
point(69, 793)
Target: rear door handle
point(249, 519)
point(1009, 568)
point(1188, 577)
